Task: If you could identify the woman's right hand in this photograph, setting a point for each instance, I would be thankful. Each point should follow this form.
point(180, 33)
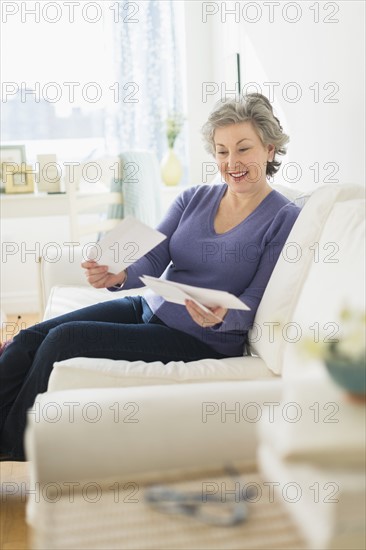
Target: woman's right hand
point(99, 277)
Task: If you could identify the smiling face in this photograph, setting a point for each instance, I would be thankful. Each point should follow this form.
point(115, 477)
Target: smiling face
point(242, 157)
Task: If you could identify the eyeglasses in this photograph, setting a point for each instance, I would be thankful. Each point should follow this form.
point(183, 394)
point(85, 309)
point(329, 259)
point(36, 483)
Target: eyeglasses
point(209, 508)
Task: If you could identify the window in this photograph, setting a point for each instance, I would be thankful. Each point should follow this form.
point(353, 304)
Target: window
point(85, 78)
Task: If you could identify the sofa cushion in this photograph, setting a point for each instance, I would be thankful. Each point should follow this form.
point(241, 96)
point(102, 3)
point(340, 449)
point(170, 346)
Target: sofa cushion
point(82, 372)
point(334, 282)
point(299, 255)
point(292, 194)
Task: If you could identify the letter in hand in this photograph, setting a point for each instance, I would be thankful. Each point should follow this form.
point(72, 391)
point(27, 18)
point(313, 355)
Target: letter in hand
point(99, 277)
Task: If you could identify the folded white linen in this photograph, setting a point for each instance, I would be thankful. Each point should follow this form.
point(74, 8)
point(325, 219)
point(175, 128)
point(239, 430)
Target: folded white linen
point(315, 420)
point(328, 504)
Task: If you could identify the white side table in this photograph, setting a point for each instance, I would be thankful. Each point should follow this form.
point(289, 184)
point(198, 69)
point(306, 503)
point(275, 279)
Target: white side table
point(313, 452)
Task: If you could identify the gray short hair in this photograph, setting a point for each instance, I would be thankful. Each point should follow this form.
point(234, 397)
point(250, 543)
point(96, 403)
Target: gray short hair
point(255, 108)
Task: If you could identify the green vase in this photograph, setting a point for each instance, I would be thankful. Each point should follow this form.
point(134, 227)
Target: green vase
point(171, 168)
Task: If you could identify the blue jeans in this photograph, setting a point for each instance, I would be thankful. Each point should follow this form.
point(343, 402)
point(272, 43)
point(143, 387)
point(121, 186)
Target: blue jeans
point(124, 328)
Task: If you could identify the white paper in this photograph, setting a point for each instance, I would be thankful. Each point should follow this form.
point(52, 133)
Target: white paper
point(204, 297)
point(124, 244)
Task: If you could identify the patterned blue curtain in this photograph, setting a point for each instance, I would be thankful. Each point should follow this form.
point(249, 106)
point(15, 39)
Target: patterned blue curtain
point(148, 49)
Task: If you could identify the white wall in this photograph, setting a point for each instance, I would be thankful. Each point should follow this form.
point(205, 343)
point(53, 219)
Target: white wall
point(326, 135)
point(199, 69)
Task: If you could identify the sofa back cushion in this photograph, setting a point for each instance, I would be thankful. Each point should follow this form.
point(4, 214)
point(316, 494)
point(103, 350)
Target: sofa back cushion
point(336, 280)
point(298, 257)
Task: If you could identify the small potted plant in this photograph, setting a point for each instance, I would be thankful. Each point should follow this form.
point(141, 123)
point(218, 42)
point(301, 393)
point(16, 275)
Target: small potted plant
point(171, 168)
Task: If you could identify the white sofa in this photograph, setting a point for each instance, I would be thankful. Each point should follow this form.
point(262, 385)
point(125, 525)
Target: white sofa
point(127, 419)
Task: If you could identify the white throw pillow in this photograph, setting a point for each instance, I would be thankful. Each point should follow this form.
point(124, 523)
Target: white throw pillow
point(285, 285)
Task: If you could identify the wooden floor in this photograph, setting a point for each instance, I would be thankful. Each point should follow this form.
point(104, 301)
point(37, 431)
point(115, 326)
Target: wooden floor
point(14, 481)
point(14, 478)
point(14, 323)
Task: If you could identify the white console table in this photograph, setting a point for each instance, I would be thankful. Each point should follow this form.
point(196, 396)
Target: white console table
point(27, 226)
point(42, 204)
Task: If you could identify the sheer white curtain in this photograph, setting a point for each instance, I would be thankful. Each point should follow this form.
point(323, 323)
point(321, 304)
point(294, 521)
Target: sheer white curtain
point(148, 50)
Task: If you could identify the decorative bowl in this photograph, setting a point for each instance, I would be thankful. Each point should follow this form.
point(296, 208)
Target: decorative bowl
point(351, 376)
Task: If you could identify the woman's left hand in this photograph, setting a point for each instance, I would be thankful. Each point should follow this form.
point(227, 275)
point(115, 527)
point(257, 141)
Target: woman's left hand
point(204, 319)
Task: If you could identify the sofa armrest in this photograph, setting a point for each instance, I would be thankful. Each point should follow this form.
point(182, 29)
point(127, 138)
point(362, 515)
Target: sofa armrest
point(111, 433)
point(63, 270)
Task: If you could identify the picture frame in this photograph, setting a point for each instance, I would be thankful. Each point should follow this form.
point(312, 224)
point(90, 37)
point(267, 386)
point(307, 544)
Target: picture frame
point(49, 174)
point(11, 154)
point(18, 180)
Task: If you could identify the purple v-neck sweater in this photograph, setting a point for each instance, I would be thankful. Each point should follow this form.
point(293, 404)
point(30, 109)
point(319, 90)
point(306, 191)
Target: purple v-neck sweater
point(239, 261)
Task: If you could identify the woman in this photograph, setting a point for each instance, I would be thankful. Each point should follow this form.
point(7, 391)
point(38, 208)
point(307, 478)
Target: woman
point(225, 236)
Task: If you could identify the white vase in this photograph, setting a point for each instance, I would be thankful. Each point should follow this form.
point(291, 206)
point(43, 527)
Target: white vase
point(171, 168)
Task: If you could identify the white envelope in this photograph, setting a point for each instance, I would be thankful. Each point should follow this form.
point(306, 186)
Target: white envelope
point(204, 297)
point(124, 244)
